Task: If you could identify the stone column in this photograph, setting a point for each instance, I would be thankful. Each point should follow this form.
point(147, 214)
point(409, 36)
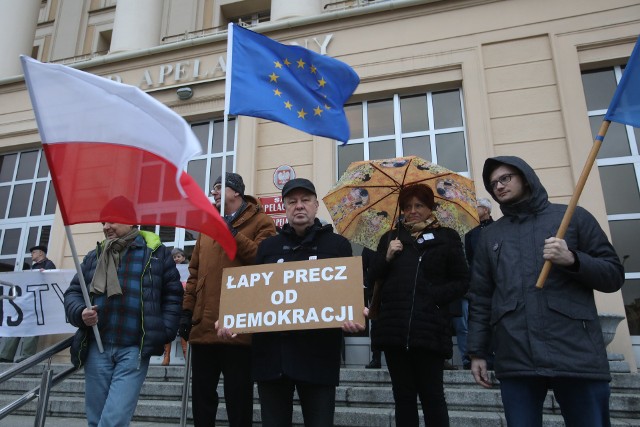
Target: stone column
point(283, 9)
point(137, 25)
point(18, 22)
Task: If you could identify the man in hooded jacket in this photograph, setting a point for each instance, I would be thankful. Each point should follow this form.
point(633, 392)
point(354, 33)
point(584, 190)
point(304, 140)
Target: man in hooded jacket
point(547, 338)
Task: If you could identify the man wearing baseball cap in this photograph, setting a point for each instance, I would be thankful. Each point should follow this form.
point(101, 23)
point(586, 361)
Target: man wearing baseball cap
point(39, 258)
point(305, 360)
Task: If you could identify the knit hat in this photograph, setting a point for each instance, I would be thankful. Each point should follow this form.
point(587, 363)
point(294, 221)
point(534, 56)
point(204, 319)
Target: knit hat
point(233, 181)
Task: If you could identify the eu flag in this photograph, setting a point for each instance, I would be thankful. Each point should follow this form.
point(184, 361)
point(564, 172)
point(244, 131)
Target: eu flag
point(287, 84)
point(625, 105)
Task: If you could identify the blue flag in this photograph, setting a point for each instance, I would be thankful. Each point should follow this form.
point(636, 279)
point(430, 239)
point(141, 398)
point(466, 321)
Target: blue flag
point(287, 84)
point(625, 105)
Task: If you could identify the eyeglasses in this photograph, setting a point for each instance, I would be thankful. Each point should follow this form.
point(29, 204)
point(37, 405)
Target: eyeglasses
point(216, 188)
point(504, 180)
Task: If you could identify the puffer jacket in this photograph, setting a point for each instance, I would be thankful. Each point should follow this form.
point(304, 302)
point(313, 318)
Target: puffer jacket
point(161, 294)
point(418, 285)
point(553, 331)
point(313, 355)
point(202, 292)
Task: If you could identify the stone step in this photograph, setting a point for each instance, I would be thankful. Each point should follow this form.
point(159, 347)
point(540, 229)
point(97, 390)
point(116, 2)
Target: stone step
point(69, 412)
point(364, 398)
point(472, 397)
point(621, 382)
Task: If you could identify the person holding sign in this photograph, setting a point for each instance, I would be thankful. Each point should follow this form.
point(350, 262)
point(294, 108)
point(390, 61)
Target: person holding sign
point(421, 269)
point(304, 360)
point(9, 345)
point(211, 355)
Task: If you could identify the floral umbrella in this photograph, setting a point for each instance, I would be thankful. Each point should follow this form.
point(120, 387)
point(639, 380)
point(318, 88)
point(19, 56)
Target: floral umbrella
point(364, 202)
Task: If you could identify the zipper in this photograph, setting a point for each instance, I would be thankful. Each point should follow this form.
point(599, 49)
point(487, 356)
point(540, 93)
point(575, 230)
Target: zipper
point(413, 299)
point(147, 269)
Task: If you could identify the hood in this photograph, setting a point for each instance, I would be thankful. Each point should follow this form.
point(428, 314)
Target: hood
point(538, 199)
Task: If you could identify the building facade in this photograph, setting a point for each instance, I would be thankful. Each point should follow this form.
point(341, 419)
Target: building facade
point(452, 81)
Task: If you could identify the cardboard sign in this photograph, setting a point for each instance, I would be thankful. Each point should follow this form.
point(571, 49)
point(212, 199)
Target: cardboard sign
point(311, 294)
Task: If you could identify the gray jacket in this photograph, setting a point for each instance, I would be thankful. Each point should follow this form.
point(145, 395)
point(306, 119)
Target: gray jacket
point(552, 331)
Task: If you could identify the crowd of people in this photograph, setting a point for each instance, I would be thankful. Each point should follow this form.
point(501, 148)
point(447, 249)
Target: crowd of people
point(534, 339)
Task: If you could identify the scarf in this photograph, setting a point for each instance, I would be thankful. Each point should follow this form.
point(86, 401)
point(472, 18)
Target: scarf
point(106, 274)
point(416, 228)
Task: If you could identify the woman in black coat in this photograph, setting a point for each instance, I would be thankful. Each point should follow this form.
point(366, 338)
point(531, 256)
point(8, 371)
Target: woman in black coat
point(420, 268)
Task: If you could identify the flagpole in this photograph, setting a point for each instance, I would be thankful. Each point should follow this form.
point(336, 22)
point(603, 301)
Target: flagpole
point(83, 284)
point(546, 268)
point(225, 123)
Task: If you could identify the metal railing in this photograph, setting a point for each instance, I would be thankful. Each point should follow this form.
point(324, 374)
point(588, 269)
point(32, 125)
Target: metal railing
point(47, 382)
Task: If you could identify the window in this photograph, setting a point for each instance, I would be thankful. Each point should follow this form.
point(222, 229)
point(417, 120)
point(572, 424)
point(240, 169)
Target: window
point(428, 125)
point(252, 19)
point(27, 207)
point(619, 166)
point(204, 169)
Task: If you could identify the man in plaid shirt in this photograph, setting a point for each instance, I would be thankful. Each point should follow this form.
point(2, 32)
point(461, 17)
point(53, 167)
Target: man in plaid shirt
point(136, 302)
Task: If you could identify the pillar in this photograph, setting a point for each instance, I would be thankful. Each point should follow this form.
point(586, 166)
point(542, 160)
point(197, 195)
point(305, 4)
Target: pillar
point(18, 22)
point(137, 25)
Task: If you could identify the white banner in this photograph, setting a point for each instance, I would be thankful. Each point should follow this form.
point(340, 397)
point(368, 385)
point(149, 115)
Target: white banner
point(38, 308)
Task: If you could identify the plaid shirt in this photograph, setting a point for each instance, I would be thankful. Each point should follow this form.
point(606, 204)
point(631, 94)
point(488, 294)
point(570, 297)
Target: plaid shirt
point(120, 317)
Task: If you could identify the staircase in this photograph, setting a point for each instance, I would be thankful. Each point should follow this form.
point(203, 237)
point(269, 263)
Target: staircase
point(364, 398)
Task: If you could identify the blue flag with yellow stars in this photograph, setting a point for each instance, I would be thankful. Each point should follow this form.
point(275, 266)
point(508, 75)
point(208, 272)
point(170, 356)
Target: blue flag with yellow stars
point(287, 84)
point(625, 105)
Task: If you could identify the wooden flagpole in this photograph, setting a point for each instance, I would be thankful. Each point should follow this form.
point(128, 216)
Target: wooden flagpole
point(546, 268)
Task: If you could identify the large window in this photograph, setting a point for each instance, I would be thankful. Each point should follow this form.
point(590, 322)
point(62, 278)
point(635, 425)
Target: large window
point(428, 125)
point(27, 207)
point(204, 169)
point(619, 166)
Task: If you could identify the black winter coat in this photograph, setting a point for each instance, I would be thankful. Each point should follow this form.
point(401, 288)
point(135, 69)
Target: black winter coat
point(313, 355)
point(417, 287)
point(553, 331)
point(161, 295)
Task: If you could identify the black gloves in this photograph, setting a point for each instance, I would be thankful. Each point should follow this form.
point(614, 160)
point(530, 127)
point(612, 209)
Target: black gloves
point(185, 324)
point(232, 229)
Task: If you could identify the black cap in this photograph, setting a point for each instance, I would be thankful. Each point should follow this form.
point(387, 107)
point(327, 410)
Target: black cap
point(233, 181)
point(298, 183)
point(42, 248)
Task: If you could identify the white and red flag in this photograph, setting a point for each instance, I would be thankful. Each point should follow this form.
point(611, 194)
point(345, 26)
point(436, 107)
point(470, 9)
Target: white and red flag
point(118, 155)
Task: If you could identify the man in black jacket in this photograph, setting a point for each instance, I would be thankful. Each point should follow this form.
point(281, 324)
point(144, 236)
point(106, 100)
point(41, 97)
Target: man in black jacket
point(547, 338)
point(309, 360)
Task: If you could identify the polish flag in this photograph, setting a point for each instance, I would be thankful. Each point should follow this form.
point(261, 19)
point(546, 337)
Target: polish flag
point(118, 155)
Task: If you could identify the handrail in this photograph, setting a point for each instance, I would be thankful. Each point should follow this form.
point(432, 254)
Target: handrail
point(185, 387)
point(40, 391)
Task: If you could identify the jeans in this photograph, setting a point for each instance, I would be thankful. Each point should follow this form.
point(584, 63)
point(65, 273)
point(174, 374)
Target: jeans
point(234, 362)
point(460, 324)
point(113, 381)
point(318, 403)
point(583, 403)
point(417, 373)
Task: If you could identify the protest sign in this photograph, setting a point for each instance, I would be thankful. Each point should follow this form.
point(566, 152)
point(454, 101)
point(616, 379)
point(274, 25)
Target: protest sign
point(311, 294)
point(38, 308)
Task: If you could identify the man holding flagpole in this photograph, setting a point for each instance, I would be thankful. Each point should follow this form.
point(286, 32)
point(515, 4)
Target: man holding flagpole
point(136, 295)
point(547, 338)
